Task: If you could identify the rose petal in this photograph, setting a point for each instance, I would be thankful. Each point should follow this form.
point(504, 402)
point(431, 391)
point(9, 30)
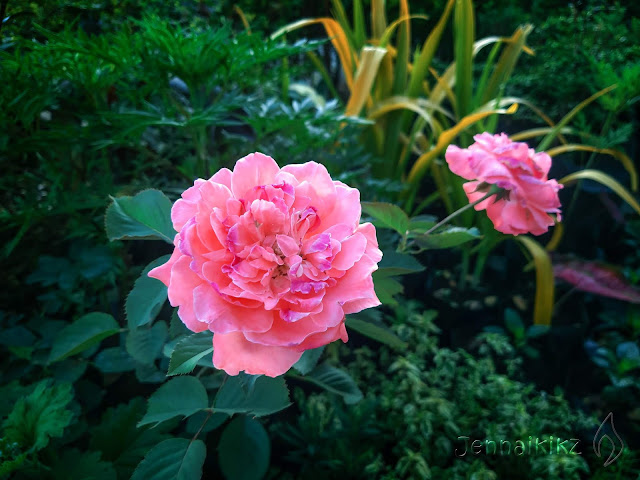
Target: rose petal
point(233, 353)
point(254, 170)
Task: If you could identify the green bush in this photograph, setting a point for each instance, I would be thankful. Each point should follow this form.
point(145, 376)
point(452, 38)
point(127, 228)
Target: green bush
point(417, 404)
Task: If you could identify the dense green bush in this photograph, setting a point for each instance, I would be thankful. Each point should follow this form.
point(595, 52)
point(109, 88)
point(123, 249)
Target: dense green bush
point(419, 400)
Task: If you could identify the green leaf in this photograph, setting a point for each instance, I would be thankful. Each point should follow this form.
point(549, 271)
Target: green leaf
point(514, 323)
point(17, 337)
point(188, 351)
point(180, 396)
point(196, 421)
point(269, 395)
point(149, 373)
point(69, 370)
point(386, 287)
point(114, 360)
point(9, 395)
point(244, 450)
point(39, 416)
point(173, 459)
point(145, 344)
point(308, 360)
point(420, 224)
point(336, 381)
point(85, 332)
point(375, 331)
point(147, 296)
point(394, 263)
point(176, 327)
point(451, 237)
point(79, 465)
point(387, 215)
point(145, 216)
point(534, 331)
point(119, 439)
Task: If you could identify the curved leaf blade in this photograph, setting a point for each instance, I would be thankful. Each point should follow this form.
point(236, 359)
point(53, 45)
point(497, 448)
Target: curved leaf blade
point(267, 395)
point(180, 396)
point(146, 297)
point(387, 215)
point(335, 381)
point(85, 332)
point(244, 450)
point(605, 180)
point(188, 351)
point(543, 308)
point(173, 459)
point(144, 216)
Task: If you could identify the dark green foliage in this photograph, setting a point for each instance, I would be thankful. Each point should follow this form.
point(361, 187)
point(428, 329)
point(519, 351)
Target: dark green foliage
point(420, 401)
point(103, 100)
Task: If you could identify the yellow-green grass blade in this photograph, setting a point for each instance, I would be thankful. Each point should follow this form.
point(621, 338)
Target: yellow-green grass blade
point(338, 40)
point(443, 88)
point(605, 180)
point(485, 74)
point(370, 59)
point(388, 33)
point(340, 15)
point(400, 101)
point(394, 121)
point(545, 289)
point(378, 18)
point(556, 237)
point(403, 45)
point(617, 154)
point(464, 33)
point(448, 136)
point(423, 61)
point(405, 103)
point(359, 31)
point(486, 41)
point(506, 63)
point(538, 132)
point(539, 113)
point(438, 172)
point(546, 141)
point(243, 18)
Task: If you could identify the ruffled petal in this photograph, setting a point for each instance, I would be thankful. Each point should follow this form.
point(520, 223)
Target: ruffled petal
point(233, 353)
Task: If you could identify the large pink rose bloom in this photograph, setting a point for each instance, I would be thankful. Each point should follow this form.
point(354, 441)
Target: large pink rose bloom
point(528, 197)
point(270, 260)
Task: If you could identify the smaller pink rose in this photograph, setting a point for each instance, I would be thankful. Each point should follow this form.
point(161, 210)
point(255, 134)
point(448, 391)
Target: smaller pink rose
point(529, 196)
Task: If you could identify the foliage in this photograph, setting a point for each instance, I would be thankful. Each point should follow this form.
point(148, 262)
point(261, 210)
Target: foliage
point(106, 105)
point(411, 111)
point(417, 405)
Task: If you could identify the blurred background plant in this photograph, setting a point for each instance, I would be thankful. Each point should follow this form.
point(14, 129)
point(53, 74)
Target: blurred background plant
point(107, 98)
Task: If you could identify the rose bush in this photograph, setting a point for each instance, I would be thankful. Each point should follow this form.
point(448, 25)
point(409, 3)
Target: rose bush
point(528, 196)
point(270, 260)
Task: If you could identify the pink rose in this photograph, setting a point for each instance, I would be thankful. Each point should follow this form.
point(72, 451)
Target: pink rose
point(270, 260)
point(528, 195)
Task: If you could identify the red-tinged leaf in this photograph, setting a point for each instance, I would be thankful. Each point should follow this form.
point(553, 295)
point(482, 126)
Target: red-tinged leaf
point(595, 277)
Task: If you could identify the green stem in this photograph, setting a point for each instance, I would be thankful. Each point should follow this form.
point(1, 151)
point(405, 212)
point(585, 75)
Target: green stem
point(494, 189)
point(592, 158)
point(202, 426)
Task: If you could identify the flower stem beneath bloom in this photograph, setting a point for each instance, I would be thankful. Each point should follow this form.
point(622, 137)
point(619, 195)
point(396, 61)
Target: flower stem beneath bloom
point(493, 191)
